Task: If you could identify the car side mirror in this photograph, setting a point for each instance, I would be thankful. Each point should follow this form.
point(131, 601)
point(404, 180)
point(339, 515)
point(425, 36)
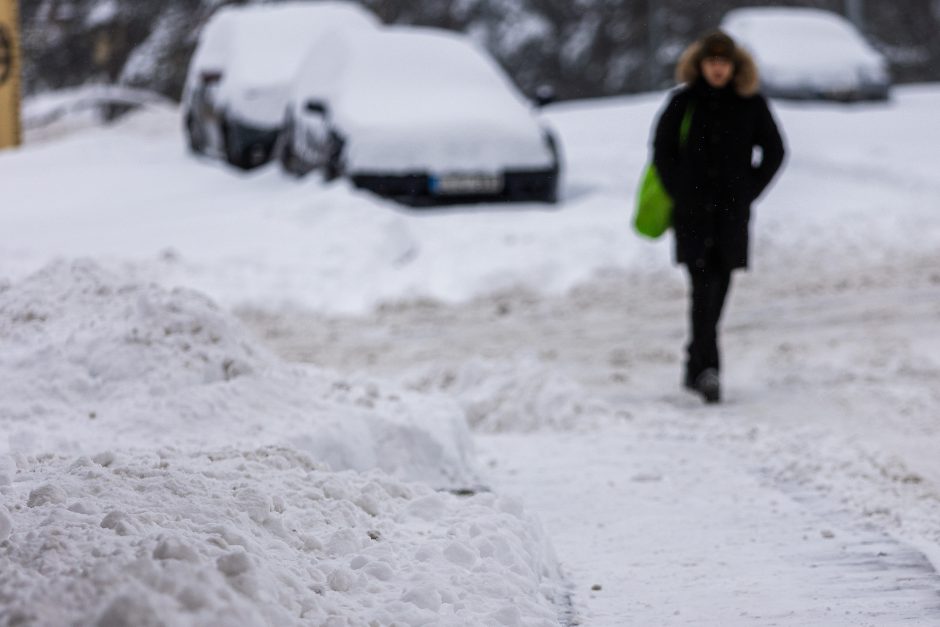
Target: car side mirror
point(210, 77)
point(545, 95)
point(316, 107)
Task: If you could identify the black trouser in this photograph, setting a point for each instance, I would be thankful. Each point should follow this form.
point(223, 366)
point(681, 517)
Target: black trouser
point(709, 284)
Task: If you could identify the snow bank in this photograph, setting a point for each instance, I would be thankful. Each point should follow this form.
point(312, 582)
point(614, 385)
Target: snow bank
point(42, 109)
point(87, 357)
point(518, 396)
point(56, 114)
point(104, 338)
point(160, 468)
point(258, 537)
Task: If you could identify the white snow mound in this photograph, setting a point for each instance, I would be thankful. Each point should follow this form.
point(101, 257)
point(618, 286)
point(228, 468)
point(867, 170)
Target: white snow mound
point(89, 359)
point(110, 337)
point(260, 537)
point(517, 396)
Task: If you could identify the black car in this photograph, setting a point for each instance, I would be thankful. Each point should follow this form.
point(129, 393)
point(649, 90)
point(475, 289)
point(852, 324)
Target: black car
point(420, 115)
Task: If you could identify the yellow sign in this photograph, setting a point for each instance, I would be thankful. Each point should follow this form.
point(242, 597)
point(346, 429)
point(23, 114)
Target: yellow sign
point(9, 74)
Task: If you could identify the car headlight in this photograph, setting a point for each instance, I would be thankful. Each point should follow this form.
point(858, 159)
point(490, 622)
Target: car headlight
point(872, 74)
point(552, 143)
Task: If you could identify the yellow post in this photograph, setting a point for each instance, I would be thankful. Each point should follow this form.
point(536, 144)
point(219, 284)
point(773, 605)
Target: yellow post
point(9, 74)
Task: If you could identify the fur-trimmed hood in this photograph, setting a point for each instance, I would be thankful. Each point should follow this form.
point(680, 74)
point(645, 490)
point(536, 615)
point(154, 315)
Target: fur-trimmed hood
point(746, 77)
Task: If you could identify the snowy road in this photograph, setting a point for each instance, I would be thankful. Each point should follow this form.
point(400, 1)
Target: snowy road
point(675, 532)
point(795, 503)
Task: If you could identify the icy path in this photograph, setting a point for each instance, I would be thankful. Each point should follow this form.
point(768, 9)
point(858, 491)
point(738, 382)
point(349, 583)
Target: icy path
point(674, 532)
point(796, 502)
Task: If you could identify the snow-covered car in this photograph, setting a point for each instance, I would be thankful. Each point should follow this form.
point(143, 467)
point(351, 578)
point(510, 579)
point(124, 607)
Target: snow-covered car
point(810, 54)
point(420, 115)
point(240, 74)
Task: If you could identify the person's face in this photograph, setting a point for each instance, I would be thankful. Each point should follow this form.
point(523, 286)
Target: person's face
point(717, 71)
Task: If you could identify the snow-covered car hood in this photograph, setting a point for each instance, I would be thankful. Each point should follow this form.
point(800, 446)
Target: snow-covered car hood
point(479, 142)
point(260, 106)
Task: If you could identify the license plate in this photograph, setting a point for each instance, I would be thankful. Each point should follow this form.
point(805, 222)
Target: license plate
point(840, 95)
point(453, 184)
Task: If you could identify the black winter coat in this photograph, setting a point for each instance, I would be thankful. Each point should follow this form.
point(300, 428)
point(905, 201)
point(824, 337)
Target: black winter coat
point(712, 178)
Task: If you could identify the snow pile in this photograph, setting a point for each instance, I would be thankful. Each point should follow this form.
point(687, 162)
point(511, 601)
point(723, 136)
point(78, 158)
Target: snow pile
point(159, 468)
point(260, 537)
point(103, 338)
point(54, 115)
point(520, 396)
point(87, 358)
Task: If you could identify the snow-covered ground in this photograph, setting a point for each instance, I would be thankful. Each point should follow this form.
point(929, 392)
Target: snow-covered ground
point(810, 497)
point(261, 536)
point(859, 191)
point(159, 466)
point(153, 447)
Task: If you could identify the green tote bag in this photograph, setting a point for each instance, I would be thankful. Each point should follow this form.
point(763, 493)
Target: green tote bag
point(653, 215)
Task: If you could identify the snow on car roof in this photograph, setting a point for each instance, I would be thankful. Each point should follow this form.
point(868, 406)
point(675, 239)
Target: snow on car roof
point(264, 44)
point(411, 70)
point(800, 38)
point(425, 58)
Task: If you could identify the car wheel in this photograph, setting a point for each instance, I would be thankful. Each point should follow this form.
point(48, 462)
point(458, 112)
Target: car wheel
point(551, 194)
point(256, 154)
point(235, 154)
point(288, 158)
point(229, 146)
point(334, 162)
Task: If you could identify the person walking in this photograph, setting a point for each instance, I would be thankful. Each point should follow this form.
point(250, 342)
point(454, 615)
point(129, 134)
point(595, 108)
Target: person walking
point(704, 151)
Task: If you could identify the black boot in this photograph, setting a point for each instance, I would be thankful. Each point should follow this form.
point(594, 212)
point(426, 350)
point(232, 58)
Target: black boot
point(708, 386)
